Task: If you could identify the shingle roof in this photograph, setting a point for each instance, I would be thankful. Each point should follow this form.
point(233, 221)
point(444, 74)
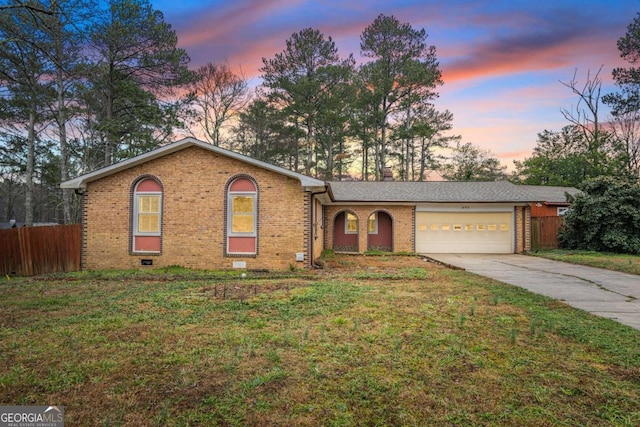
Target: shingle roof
point(435, 192)
point(550, 194)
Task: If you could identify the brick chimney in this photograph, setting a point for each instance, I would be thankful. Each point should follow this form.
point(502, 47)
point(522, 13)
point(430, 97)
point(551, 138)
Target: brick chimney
point(387, 175)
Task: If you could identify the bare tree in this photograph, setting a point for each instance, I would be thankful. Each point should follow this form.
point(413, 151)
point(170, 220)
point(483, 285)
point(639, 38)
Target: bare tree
point(220, 94)
point(626, 130)
point(585, 115)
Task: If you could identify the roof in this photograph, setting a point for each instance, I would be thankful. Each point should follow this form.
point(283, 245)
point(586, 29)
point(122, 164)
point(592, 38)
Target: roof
point(550, 195)
point(430, 192)
point(83, 180)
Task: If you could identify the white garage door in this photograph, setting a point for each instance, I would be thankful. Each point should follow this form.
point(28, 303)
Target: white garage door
point(469, 232)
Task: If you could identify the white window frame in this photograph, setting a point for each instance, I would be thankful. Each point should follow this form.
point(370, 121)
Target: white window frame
point(346, 223)
point(230, 196)
point(375, 223)
point(562, 210)
point(136, 213)
point(135, 233)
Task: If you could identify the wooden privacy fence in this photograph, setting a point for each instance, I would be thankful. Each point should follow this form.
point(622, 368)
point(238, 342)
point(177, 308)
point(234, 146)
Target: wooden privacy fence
point(27, 251)
point(544, 232)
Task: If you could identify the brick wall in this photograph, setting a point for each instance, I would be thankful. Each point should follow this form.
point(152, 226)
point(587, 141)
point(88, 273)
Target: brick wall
point(404, 226)
point(523, 229)
point(193, 215)
point(402, 217)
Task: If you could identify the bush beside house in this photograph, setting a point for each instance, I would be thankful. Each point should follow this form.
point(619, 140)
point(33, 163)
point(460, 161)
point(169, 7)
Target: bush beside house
point(605, 217)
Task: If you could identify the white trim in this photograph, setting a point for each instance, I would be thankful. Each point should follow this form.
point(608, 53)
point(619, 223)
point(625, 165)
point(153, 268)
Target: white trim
point(230, 196)
point(229, 201)
point(136, 213)
point(464, 207)
point(375, 223)
point(346, 222)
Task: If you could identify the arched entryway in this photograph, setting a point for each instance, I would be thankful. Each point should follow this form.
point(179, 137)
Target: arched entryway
point(345, 232)
point(380, 232)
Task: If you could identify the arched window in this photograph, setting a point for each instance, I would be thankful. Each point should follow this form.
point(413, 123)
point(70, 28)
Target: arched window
point(147, 217)
point(242, 217)
point(380, 231)
point(345, 232)
point(350, 223)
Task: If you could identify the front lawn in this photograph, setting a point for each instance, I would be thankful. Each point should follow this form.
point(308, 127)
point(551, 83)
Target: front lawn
point(380, 340)
point(616, 262)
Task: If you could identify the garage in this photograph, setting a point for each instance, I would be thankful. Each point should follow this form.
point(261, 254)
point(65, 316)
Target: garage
point(465, 232)
point(448, 216)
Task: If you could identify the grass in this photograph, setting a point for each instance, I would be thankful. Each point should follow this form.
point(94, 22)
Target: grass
point(617, 262)
point(367, 341)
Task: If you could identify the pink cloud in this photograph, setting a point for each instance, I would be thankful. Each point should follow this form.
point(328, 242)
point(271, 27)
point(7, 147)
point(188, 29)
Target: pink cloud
point(495, 59)
point(501, 43)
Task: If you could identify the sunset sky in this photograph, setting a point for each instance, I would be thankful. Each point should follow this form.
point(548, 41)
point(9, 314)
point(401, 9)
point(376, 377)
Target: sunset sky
point(502, 60)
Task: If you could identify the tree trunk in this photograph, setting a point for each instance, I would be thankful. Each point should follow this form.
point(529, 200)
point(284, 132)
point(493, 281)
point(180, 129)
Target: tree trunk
point(28, 199)
point(329, 172)
point(64, 152)
point(383, 141)
point(309, 141)
point(423, 159)
point(365, 157)
point(382, 153)
point(110, 143)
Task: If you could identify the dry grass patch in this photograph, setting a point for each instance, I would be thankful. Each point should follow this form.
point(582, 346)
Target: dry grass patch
point(381, 340)
point(617, 262)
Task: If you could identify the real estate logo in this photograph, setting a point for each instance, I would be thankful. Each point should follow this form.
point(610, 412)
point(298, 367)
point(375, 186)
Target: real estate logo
point(31, 416)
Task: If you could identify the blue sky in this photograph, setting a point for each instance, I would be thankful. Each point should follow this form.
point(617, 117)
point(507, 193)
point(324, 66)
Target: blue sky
point(502, 61)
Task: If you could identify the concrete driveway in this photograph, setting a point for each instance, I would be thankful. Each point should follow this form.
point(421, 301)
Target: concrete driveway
point(601, 292)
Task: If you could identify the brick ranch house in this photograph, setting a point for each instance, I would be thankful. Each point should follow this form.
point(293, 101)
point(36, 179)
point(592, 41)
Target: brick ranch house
point(196, 205)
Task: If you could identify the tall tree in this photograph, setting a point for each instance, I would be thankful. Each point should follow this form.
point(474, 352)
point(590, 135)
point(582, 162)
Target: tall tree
point(332, 156)
point(402, 66)
point(471, 163)
point(22, 69)
point(301, 80)
point(419, 132)
point(63, 26)
point(625, 104)
point(219, 94)
point(627, 79)
point(138, 63)
point(363, 125)
point(559, 158)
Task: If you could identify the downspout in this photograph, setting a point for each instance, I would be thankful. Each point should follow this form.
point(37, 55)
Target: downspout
point(312, 219)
